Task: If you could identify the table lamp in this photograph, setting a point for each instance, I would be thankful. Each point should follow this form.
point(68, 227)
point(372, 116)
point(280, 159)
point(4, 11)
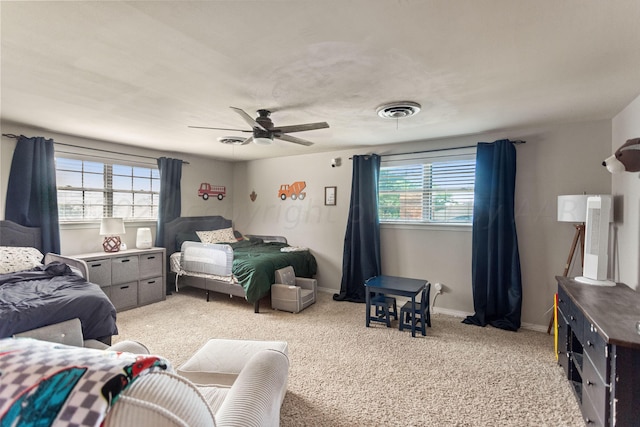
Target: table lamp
point(111, 228)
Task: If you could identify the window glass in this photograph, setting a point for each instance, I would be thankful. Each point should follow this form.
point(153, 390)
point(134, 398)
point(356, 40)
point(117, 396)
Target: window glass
point(429, 189)
point(89, 190)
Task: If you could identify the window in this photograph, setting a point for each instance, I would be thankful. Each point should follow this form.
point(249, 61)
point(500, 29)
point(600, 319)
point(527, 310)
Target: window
point(90, 190)
point(435, 189)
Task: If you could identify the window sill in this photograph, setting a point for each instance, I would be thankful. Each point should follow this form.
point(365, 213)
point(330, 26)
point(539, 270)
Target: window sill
point(79, 225)
point(424, 226)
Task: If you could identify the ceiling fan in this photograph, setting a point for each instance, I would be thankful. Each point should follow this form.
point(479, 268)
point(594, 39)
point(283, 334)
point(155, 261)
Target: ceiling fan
point(264, 131)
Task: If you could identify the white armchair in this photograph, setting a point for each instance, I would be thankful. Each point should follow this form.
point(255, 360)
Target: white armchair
point(291, 293)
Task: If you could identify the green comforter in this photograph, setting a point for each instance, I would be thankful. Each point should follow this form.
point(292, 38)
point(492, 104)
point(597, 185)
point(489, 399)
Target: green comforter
point(255, 263)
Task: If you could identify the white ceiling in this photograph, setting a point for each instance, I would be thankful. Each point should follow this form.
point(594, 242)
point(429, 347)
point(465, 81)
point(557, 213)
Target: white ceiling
point(139, 73)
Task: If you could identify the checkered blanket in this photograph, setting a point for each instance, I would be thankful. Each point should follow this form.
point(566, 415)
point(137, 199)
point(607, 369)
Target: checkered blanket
point(46, 384)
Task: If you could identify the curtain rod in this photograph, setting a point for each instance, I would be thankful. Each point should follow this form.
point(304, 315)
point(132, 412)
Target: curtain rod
point(10, 135)
point(518, 141)
point(441, 149)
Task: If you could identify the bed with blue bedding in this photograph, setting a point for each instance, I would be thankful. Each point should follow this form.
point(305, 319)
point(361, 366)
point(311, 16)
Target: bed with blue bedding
point(34, 294)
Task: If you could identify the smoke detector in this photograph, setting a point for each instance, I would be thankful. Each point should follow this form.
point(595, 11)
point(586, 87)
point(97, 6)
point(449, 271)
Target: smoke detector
point(233, 140)
point(398, 110)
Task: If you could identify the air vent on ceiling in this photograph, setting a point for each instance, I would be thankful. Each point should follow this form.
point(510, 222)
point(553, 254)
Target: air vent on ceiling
point(398, 110)
point(233, 140)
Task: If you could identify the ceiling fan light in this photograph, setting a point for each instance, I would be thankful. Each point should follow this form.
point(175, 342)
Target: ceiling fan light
point(262, 141)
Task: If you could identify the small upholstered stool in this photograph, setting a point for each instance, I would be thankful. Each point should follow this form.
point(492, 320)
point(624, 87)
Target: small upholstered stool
point(291, 293)
point(220, 361)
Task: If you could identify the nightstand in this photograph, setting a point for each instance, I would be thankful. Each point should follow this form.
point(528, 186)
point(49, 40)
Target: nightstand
point(130, 278)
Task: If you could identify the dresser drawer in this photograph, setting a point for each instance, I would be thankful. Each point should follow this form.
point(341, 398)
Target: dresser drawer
point(150, 290)
point(590, 413)
point(563, 303)
point(100, 271)
point(563, 345)
point(595, 348)
point(124, 269)
point(151, 265)
point(595, 389)
point(124, 296)
point(576, 321)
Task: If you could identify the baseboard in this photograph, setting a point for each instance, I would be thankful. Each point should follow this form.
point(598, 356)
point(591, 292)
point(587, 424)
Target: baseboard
point(455, 313)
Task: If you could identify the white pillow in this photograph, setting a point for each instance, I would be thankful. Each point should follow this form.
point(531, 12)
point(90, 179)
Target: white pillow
point(224, 235)
point(13, 258)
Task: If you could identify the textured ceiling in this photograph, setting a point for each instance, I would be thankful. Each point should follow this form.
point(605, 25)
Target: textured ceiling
point(140, 73)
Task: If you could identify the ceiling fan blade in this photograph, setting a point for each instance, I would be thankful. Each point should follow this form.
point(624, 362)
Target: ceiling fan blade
point(247, 118)
point(235, 130)
point(303, 127)
point(293, 139)
point(248, 140)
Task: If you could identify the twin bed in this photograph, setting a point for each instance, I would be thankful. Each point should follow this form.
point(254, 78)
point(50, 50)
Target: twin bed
point(34, 295)
point(244, 267)
point(54, 291)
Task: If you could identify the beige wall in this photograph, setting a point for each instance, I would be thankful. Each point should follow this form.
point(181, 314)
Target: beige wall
point(626, 191)
point(564, 159)
point(82, 238)
point(555, 160)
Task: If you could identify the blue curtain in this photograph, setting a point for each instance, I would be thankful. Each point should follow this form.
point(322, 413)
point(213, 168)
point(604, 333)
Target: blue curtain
point(496, 280)
point(32, 198)
point(361, 257)
point(170, 196)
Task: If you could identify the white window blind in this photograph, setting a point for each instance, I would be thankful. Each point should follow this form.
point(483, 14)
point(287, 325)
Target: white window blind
point(91, 190)
point(431, 188)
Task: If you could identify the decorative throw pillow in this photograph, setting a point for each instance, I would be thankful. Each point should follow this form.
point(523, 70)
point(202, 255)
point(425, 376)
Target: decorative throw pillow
point(13, 258)
point(224, 235)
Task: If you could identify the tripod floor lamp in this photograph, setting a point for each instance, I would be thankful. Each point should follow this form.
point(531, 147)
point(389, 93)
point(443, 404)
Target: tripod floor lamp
point(573, 209)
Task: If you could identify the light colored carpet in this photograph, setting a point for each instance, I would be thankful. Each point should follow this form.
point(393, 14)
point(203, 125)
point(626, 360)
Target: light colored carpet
point(344, 374)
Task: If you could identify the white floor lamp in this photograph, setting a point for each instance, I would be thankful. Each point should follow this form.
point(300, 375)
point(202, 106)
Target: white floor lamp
point(573, 208)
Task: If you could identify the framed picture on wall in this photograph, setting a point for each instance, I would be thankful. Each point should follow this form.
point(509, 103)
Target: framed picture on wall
point(330, 196)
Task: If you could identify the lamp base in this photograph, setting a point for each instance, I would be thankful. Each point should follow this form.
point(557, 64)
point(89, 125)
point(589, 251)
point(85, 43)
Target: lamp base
point(111, 244)
point(588, 281)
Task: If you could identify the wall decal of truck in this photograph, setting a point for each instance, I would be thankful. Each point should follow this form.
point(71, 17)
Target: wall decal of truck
point(207, 190)
point(294, 191)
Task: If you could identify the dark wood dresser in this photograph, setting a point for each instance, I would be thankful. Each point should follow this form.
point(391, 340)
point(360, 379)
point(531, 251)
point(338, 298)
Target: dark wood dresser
point(599, 349)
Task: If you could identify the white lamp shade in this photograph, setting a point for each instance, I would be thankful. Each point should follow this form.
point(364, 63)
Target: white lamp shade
point(572, 208)
point(262, 141)
point(112, 227)
point(143, 238)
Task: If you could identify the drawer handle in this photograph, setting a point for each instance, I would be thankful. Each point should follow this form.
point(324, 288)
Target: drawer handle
point(151, 282)
point(124, 287)
point(589, 343)
point(588, 420)
point(96, 265)
point(589, 383)
point(151, 257)
point(125, 260)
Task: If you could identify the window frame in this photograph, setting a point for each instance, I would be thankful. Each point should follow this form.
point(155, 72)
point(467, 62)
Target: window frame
point(107, 166)
point(423, 158)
